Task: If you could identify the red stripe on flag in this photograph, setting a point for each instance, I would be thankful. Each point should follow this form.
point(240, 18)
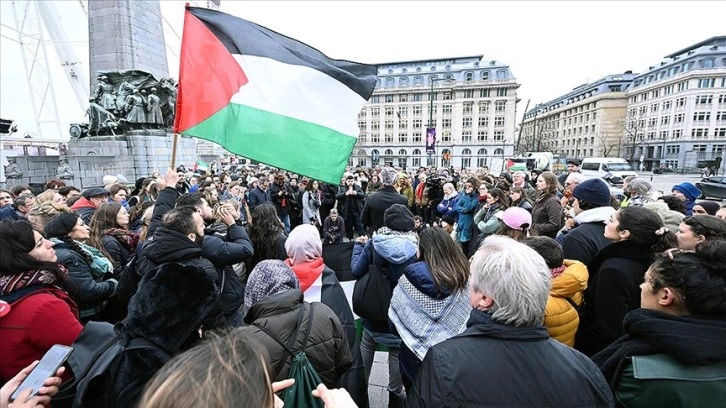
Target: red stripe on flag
point(208, 75)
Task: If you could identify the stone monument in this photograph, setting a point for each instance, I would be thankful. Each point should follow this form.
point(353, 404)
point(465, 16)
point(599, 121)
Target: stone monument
point(132, 103)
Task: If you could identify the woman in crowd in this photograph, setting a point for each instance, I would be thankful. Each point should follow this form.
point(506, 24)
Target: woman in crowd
point(277, 312)
point(509, 287)
point(110, 233)
point(144, 192)
point(569, 280)
point(703, 207)
point(20, 190)
point(40, 312)
point(41, 213)
point(119, 194)
point(699, 228)
point(403, 187)
point(50, 196)
point(547, 210)
point(516, 224)
point(430, 303)
point(466, 207)
point(267, 235)
point(489, 219)
point(374, 185)
point(90, 272)
point(672, 353)
point(519, 198)
point(638, 234)
point(687, 193)
point(311, 201)
point(447, 206)
point(640, 192)
point(211, 195)
point(483, 193)
point(6, 198)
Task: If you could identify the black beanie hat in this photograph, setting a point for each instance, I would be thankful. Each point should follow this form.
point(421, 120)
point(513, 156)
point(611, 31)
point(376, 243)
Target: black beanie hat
point(398, 218)
point(61, 225)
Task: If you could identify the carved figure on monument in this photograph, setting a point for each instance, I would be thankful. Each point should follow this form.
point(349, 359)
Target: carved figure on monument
point(153, 105)
point(100, 120)
point(104, 93)
point(135, 108)
point(12, 170)
point(124, 90)
point(64, 171)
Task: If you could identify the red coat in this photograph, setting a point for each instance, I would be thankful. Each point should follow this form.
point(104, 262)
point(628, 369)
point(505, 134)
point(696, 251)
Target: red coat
point(33, 326)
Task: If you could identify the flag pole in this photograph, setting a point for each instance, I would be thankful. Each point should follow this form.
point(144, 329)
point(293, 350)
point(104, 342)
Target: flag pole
point(173, 150)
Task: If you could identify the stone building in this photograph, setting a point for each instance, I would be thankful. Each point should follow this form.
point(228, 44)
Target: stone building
point(469, 101)
point(585, 122)
point(677, 109)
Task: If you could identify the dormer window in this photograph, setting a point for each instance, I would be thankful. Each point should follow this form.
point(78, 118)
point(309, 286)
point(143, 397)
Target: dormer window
point(485, 75)
point(469, 76)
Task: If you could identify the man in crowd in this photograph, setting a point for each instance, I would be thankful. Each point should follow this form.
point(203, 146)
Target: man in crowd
point(282, 198)
point(92, 198)
point(350, 203)
point(377, 203)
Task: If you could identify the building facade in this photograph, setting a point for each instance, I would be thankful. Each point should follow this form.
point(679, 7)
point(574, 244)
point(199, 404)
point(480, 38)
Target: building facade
point(585, 122)
point(677, 109)
point(469, 101)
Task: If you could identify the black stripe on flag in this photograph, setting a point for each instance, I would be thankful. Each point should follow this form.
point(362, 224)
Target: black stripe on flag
point(243, 37)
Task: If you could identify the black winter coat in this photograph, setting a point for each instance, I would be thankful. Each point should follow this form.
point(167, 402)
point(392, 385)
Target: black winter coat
point(119, 252)
point(349, 204)
point(613, 289)
point(257, 197)
point(377, 204)
point(283, 202)
point(583, 242)
point(547, 216)
point(495, 365)
point(327, 348)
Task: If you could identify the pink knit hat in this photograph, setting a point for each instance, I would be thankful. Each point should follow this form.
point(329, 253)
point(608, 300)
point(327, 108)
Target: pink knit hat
point(517, 218)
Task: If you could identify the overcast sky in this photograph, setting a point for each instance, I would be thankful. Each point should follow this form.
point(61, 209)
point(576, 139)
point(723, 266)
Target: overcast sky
point(551, 47)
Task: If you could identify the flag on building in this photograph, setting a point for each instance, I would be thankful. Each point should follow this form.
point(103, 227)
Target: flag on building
point(268, 97)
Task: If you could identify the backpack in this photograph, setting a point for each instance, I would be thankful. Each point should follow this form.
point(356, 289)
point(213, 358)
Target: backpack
point(372, 293)
point(299, 395)
point(96, 355)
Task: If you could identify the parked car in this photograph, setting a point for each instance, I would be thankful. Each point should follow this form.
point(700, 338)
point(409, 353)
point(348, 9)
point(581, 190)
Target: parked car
point(713, 187)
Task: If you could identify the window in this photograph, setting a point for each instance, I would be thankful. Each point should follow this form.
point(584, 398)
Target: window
point(390, 82)
point(402, 124)
point(417, 97)
point(446, 123)
point(403, 111)
point(446, 136)
point(678, 118)
point(481, 159)
point(375, 137)
point(594, 115)
point(417, 137)
point(663, 134)
point(481, 135)
point(706, 82)
point(469, 76)
point(722, 98)
point(499, 121)
point(502, 74)
point(502, 92)
point(721, 115)
point(702, 116)
point(485, 75)
point(652, 122)
point(680, 102)
point(665, 120)
point(417, 124)
point(704, 99)
point(376, 125)
point(375, 99)
point(677, 133)
point(719, 132)
point(466, 136)
point(654, 107)
point(418, 80)
point(468, 107)
point(666, 105)
point(466, 158)
point(447, 96)
point(403, 81)
point(389, 110)
point(699, 132)
point(389, 125)
point(484, 93)
point(417, 110)
point(483, 107)
point(500, 106)
point(668, 90)
point(376, 111)
point(673, 149)
point(447, 108)
point(498, 135)
point(468, 93)
point(699, 148)
point(707, 63)
point(466, 122)
point(682, 86)
point(498, 152)
point(483, 121)
point(389, 138)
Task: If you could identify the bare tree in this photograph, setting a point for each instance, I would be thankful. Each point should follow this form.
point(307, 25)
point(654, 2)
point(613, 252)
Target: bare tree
point(610, 144)
point(634, 127)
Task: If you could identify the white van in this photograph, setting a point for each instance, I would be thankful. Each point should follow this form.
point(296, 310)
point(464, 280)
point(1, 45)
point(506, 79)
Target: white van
point(600, 166)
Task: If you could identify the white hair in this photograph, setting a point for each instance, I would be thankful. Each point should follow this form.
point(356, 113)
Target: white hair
point(643, 187)
point(575, 177)
point(515, 276)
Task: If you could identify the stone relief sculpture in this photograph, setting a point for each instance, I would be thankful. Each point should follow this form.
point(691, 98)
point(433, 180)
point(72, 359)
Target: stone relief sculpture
point(64, 171)
point(128, 100)
point(12, 170)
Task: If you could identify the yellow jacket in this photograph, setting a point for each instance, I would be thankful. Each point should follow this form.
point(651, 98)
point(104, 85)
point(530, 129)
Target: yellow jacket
point(561, 318)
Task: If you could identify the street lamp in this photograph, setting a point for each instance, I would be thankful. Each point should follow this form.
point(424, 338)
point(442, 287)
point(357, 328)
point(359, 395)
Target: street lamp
point(431, 116)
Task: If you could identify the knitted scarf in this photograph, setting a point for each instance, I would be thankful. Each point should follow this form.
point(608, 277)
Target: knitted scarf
point(129, 239)
point(11, 283)
point(423, 322)
point(100, 265)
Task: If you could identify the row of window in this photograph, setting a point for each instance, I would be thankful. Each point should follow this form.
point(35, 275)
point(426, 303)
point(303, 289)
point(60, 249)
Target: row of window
point(466, 122)
point(467, 107)
point(676, 69)
point(436, 96)
point(678, 103)
point(418, 80)
point(415, 137)
point(418, 152)
point(679, 87)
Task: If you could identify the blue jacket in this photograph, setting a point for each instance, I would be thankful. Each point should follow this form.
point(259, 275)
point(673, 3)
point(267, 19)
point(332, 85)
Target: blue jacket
point(465, 207)
point(447, 207)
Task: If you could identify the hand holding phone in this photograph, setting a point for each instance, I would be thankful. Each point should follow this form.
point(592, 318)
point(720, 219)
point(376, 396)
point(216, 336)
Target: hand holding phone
point(46, 369)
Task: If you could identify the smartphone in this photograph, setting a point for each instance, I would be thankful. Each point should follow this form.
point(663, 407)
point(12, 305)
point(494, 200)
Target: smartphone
point(46, 368)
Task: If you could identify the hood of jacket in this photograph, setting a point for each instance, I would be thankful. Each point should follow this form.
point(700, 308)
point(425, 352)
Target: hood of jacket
point(395, 248)
point(82, 202)
point(571, 281)
point(186, 297)
point(170, 246)
point(480, 323)
point(276, 304)
point(420, 276)
point(599, 214)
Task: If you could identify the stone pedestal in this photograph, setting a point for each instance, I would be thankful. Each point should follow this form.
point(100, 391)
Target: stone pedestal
point(134, 155)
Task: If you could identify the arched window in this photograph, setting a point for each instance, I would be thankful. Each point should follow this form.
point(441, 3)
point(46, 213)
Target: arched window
point(362, 153)
point(403, 81)
point(390, 82)
point(446, 158)
point(416, 158)
point(498, 152)
point(469, 76)
point(481, 158)
point(389, 152)
point(432, 78)
point(448, 77)
point(402, 152)
point(502, 74)
point(418, 80)
point(465, 159)
point(375, 157)
point(485, 75)
point(402, 158)
point(404, 70)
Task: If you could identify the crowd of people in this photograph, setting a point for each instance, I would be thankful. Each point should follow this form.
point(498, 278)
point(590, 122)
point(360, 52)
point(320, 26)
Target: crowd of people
point(520, 289)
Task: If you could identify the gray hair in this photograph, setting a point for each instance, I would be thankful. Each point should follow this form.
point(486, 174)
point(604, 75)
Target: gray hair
point(519, 173)
point(515, 276)
point(575, 177)
point(641, 186)
point(388, 176)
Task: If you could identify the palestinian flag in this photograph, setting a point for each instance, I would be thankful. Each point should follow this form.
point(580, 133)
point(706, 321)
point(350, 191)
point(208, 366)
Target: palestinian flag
point(268, 97)
point(200, 165)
